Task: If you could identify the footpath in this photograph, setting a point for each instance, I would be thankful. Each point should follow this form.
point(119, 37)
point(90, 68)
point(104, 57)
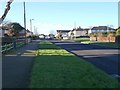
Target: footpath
point(17, 66)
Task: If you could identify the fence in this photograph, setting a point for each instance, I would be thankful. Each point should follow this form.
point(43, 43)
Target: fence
point(13, 44)
point(7, 47)
point(103, 39)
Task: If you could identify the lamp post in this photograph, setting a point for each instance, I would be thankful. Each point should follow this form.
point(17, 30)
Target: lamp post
point(31, 28)
point(31, 24)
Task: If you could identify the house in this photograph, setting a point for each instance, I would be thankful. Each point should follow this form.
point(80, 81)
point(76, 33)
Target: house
point(51, 36)
point(80, 32)
point(22, 33)
point(64, 33)
point(41, 36)
point(28, 33)
point(100, 29)
point(25, 33)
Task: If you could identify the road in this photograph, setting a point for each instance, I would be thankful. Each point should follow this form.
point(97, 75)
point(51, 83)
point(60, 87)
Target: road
point(105, 58)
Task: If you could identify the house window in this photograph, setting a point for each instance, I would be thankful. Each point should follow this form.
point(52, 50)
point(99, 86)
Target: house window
point(94, 31)
point(102, 30)
point(98, 30)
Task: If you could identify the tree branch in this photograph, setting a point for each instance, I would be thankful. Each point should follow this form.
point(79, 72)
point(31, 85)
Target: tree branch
point(6, 11)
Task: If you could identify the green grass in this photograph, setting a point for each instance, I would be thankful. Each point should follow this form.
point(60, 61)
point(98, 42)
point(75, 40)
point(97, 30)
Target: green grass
point(87, 41)
point(57, 68)
point(110, 44)
point(82, 39)
point(47, 45)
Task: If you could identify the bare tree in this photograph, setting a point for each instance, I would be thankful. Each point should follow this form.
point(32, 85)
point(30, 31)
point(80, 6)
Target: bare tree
point(6, 11)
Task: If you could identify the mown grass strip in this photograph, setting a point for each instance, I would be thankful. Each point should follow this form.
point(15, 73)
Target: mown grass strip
point(82, 39)
point(109, 44)
point(87, 41)
point(56, 68)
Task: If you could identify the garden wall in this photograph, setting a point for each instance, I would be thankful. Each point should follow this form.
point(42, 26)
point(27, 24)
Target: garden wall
point(105, 39)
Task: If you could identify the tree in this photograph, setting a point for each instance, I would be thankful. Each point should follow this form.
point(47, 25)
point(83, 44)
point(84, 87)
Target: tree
point(6, 11)
point(71, 34)
point(118, 31)
point(58, 35)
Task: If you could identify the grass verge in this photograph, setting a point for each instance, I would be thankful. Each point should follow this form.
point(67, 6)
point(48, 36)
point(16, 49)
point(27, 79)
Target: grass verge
point(87, 41)
point(109, 44)
point(82, 39)
point(56, 68)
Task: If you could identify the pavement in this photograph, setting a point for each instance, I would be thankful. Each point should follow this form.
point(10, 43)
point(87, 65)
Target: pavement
point(17, 66)
point(104, 58)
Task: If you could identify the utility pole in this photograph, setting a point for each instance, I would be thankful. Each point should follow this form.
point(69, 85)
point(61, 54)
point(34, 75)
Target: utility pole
point(25, 21)
point(24, 16)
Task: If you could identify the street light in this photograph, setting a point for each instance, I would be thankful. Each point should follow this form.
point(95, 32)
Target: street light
point(31, 24)
point(31, 28)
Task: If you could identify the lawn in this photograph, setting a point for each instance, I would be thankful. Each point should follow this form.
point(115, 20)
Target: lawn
point(56, 68)
point(110, 44)
point(87, 41)
point(82, 39)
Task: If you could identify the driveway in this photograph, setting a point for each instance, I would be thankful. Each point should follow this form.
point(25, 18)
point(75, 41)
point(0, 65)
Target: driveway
point(105, 58)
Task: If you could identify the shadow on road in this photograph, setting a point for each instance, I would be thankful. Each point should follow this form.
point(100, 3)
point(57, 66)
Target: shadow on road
point(17, 65)
point(105, 58)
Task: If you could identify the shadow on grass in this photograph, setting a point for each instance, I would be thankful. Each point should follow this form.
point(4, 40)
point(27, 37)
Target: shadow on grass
point(109, 44)
point(80, 46)
point(68, 71)
point(105, 58)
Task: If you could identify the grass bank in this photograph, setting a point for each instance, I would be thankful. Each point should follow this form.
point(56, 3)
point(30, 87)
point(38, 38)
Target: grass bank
point(56, 68)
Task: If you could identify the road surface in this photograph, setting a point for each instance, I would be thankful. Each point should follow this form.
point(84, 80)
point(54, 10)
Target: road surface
point(105, 58)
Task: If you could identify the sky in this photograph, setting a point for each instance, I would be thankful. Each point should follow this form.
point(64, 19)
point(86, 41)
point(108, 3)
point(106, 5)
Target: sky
point(51, 16)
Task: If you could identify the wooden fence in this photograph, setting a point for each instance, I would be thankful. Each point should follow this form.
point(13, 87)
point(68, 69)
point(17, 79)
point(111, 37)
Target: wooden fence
point(13, 43)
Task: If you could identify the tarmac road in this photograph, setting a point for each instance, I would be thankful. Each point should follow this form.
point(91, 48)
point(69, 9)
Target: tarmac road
point(105, 58)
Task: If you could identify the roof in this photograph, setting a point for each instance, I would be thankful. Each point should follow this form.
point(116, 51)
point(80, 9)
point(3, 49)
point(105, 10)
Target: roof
point(80, 29)
point(86, 29)
point(102, 28)
point(63, 30)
